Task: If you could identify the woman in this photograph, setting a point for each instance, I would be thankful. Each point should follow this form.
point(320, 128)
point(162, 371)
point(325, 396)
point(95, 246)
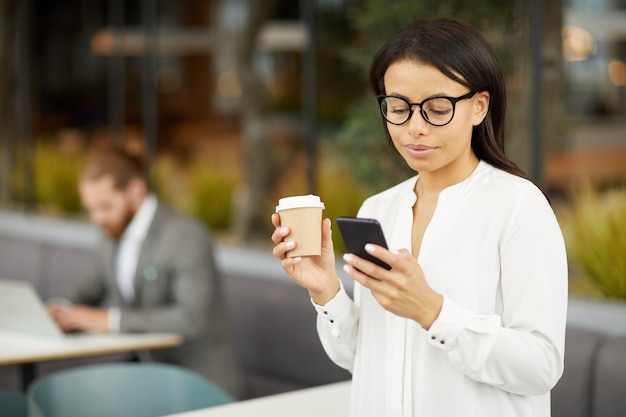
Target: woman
point(470, 320)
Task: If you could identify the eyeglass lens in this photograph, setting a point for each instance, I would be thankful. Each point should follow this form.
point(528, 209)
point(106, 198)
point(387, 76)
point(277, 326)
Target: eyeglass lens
point(437, 110)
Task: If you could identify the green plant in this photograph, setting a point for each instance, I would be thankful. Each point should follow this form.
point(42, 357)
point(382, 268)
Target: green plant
point(55, 175)
point(213, 182)
point(594, 228)
point(203, 187)
point(341, 194)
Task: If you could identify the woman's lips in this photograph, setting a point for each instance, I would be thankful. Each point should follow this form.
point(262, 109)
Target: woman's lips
point(419, 151)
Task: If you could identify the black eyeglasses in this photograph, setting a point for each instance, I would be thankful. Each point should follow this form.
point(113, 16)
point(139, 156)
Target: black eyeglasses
point(438, 111)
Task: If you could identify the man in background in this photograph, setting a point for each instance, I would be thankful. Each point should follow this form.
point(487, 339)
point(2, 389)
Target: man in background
point(155, 271)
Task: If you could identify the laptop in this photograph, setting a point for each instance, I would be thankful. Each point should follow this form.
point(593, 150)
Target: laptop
point(23, 311)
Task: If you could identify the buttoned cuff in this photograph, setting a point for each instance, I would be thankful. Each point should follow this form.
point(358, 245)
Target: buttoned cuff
point(444, 331)
point(337, 309)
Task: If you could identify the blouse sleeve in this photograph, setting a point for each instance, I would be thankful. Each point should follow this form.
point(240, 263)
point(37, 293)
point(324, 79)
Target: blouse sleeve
point(520, 350)
point(337, 323)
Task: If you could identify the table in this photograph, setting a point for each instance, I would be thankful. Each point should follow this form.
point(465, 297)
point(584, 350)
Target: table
point(324, 401)
point(25, 350)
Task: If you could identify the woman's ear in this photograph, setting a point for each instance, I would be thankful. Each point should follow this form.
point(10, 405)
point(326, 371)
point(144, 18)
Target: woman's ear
point(481, 106)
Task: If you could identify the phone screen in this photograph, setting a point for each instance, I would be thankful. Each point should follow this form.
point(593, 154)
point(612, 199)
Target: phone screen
point(357, 232)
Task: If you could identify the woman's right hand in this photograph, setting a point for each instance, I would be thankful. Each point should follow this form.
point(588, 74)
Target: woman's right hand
point(315, 273)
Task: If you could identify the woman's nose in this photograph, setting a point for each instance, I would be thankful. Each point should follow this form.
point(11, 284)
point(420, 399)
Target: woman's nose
point(417, 125)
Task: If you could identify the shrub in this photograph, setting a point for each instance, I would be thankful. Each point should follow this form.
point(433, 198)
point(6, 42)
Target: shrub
point(203, 187)
point(594, 227)
point(55, 173)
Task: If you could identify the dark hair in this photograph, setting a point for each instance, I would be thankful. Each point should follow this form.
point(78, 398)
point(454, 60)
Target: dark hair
point(460, 52)
point(115, 161)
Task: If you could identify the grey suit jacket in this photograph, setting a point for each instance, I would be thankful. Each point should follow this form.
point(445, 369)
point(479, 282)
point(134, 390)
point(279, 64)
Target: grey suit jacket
point(178, 289)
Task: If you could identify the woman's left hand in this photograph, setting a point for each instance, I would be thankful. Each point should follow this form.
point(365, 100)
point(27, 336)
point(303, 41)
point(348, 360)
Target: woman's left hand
point(403, 290)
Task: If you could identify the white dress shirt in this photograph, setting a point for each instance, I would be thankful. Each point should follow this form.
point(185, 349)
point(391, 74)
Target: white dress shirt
point(127, 255)
point(494, 249)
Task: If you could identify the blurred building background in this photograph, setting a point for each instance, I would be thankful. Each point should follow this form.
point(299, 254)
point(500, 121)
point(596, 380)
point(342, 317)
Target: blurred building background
point(594, 51)
point(239, 102)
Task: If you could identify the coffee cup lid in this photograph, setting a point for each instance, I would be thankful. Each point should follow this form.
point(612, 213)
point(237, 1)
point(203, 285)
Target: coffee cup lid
point(298, 201)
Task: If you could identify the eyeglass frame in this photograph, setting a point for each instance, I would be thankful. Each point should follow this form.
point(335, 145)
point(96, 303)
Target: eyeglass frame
point(452, 100)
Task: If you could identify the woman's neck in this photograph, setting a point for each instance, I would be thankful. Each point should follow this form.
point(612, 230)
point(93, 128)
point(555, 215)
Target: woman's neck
point(430, 184)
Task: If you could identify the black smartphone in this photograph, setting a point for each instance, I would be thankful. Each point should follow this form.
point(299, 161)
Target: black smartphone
point(357, 232)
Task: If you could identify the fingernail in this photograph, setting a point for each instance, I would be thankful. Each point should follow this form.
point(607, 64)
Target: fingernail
point(283, 230)
point(297, 259)
point(346, 268)
point(290, 244)
point(347, 257)
point(370, 248)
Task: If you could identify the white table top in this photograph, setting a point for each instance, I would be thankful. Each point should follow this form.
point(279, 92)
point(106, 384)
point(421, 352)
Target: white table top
point(17, 348)
point(324, 401)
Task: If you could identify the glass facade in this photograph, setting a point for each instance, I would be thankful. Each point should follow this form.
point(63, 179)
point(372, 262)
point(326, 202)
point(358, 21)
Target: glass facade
point(594, 48)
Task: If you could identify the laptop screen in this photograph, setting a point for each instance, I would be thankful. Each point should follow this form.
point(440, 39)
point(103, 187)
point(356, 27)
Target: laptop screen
point(23, 311)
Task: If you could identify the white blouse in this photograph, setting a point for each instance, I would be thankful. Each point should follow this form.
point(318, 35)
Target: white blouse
point(495, 251)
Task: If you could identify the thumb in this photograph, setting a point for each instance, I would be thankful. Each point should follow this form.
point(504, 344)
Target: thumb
point(327, 233)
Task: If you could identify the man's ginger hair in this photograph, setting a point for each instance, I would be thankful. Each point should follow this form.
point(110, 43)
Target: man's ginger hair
point(114, 161)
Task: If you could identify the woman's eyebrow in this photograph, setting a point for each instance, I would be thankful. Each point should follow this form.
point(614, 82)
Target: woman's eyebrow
point(440, 94)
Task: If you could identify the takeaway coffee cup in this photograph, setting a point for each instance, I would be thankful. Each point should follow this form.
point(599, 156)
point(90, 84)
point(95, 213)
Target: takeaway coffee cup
point(303, 215)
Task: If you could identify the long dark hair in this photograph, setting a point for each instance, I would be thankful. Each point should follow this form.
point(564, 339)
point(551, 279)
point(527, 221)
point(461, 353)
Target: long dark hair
point(454, 47)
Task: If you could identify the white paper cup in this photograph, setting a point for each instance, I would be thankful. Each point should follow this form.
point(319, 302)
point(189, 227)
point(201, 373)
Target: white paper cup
point(303, 215)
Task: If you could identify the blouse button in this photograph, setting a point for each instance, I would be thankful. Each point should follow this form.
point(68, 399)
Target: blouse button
point(443, 342)
point(332, 321)
point(432, 337)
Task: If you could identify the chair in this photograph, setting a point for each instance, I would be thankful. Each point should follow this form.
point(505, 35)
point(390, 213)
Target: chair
point(12, 403)
point(134, 389)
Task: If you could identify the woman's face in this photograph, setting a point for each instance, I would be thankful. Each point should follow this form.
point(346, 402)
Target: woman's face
point(437, 150)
